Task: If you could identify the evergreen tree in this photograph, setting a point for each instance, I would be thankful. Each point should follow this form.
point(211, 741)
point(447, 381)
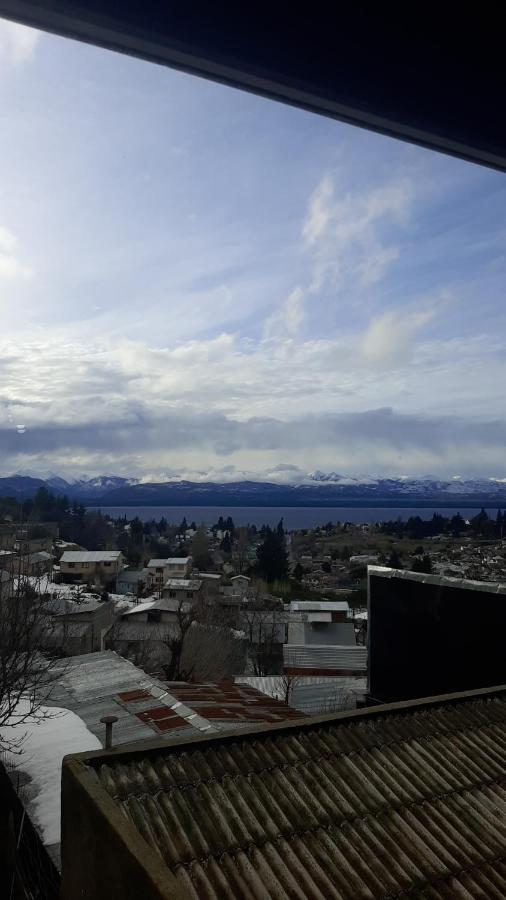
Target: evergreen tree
point(226, 545)
point(394, 560)
point(422, 564)
point(272, 557)
point(298, 572)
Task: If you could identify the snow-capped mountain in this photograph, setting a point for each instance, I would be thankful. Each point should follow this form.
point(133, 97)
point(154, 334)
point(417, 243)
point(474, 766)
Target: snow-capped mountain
point(100, 485)
point(282, 485)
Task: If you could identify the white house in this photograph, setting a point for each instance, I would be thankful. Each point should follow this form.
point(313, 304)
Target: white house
point(91, 566)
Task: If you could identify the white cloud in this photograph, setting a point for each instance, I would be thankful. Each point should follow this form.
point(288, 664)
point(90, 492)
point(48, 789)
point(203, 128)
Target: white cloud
point(320, 210)
point(11, 266)
point(341, 232)
point(288, 318)
point(17, 42)
point(389, 340)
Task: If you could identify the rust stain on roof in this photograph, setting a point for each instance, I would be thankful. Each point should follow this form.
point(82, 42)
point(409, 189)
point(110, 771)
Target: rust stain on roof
point(402, 803)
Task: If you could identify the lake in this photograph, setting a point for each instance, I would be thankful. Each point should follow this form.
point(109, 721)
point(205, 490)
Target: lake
point(293, 516)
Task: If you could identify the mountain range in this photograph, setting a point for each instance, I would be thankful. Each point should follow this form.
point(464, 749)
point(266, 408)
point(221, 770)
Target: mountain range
point(312, 489)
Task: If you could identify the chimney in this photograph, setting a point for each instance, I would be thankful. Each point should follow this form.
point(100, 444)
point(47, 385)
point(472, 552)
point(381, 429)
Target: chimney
point(108, 721)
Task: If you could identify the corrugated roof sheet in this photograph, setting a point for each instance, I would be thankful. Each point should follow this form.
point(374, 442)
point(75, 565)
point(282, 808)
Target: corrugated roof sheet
point(229, 702)
point(312, 693)
point(386, 803)
point(325, 656)
point(319, 606)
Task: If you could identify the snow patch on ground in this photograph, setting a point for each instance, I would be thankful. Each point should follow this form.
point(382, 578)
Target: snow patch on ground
point(44, 744)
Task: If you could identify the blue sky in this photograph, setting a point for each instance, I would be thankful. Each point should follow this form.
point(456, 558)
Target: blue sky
point(196, 280)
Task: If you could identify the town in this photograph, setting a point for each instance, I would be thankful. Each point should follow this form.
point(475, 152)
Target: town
point(149, 628)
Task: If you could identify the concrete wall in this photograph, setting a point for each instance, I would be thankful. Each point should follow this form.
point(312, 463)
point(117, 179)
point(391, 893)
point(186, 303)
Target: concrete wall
point(103, 856)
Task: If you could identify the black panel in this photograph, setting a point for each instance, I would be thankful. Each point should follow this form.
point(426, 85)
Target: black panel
point(421, 73)
point(433, 638)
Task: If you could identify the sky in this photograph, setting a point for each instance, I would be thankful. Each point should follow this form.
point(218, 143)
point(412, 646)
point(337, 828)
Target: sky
point(197, 281)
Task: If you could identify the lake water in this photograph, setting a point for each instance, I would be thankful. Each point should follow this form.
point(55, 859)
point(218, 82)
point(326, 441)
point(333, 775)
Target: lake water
point(293, 516)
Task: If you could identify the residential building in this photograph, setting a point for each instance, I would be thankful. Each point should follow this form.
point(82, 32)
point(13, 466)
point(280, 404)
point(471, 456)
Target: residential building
point(398, 801)
point(211, 584)
point(182, 589)
point(159, 570)
point(240, 585)
point(131, 581)
point(91, 566)
point(83, 627)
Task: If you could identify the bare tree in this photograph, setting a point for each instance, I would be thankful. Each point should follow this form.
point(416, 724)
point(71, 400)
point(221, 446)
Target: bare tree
point(211, 653)
point(202, 643)
point(186, 614)
point(27, 651)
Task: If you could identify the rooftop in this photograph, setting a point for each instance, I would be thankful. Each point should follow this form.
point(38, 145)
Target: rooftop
point(184, 584)
point(94, 685)
point(399, 800)
point(319, 606)
point(345, 658)
point(78, 556)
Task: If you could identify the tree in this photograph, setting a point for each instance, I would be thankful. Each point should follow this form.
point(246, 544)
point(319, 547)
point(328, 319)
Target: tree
point(225, 545)
point(27, 651)
point(240, 550)
point(422, 564)
point(298, 572)
point(394, 560)
point(200, 548)
point(201, 645)
point(272, 557)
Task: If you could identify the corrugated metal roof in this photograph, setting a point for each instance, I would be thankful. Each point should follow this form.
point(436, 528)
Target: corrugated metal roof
point(325, 656)
point(312, 693)
point(319, 606)
point(79, 556)
point(409, 801)
point(229, 702)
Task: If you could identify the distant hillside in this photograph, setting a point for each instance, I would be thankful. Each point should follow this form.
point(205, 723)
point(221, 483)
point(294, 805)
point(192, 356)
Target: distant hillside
point(317, 489)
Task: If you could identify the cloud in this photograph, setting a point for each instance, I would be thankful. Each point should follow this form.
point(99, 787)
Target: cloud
point(288, 318)
point(17, 42)
point(127, 407)
point(10, 265)
point(342, 231)
point(389, 339)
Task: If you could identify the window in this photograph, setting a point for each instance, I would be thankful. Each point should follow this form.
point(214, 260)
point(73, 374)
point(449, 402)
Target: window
point(172, 595)
point(159, 569)
point(71, 565)
point(189, 595)
point(154, 615)
point(107, 564)
point(86, 565)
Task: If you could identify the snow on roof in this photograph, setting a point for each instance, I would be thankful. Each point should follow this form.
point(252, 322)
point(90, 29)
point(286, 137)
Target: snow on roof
point(319, 606)
point(183, 584)
point(77, 556)
point(45, 744)
point(159, 563)
point(140, 607)
point(179, 560)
